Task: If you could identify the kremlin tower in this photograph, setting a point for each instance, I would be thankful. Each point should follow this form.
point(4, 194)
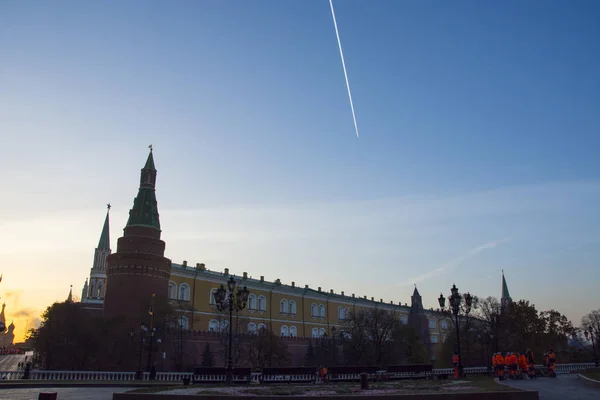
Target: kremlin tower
point(94, 291)
point(138, 270)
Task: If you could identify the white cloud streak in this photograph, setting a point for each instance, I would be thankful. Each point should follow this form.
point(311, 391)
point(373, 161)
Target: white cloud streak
point(454, 263)
point(337, 34)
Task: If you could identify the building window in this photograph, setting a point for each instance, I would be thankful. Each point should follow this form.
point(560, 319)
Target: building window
point(314, 311)
point(184, 323)
point(321, 310)
point(252, 328)
point(315, 332)
point(262, 327)
point(224, 325)
point(343, 313)
point(293, 332)
point(262, 303)
point(292, 307)
point(252, 302)
point(184, 292)
point(212, 296)
point(213, 325)
point(444, 324)
point(100, 289)
point(284, 330)
point(322, 332)
point(172, 290)
point(283, 307)
point(404, 319)
point(432, 324)
point(92, 286)
point(443, 338)
point(434, 338)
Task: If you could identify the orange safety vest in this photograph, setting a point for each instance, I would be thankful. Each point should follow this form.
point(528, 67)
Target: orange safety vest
point(512, 359)
point(522, 362)
point(455, 359)
point(500, 360)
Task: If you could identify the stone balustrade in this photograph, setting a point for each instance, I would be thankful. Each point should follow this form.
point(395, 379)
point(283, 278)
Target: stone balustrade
point(256, 377)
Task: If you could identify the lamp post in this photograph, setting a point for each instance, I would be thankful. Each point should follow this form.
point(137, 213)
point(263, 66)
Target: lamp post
point(232, 300)
point(333, 340)
point(152, 330)
point(143, 329)
point(455, 302)
point(591, 334)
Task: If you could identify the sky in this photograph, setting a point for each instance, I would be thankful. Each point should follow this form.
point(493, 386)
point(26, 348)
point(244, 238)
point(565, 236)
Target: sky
point(478, 149)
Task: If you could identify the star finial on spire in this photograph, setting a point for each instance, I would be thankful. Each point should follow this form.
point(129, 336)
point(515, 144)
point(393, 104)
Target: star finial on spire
point(108, 206)
point(150, 147)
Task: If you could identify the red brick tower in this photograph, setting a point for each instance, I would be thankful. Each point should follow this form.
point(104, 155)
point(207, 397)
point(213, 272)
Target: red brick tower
point(138, 269)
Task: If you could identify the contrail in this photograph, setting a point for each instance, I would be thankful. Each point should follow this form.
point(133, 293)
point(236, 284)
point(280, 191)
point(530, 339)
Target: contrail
point(337, 33)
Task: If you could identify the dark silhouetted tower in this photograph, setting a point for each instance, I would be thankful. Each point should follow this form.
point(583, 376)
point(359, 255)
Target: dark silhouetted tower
point(138, 269)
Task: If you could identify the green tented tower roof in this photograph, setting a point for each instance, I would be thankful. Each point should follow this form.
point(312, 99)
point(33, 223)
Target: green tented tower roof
point(104, 242)
point(145, 207)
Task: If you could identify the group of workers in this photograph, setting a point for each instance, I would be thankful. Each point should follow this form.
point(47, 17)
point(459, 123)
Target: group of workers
point(521, 366)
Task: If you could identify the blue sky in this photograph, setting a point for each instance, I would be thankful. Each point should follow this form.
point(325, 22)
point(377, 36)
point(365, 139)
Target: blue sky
point(478, 149)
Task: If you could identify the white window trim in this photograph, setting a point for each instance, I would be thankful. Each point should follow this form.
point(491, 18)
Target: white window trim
point(252, 297)
point(284, 306)
point(322, 312)
point(264, 299)
point(216, 324)
point(187, 292)
point(286, 329)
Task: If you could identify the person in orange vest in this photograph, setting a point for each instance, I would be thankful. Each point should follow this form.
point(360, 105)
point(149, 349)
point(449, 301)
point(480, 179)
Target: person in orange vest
point(552, 364)
point(456, 361)
point(511, 362)
point(500, 362)
point(530, 364)
point(522, 366)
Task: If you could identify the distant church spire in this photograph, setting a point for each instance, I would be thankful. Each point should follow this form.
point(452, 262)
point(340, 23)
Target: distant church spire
point(70, 298)
point(506, 299)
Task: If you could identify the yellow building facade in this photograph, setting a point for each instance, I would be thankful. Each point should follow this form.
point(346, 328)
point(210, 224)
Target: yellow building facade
point(288, 310)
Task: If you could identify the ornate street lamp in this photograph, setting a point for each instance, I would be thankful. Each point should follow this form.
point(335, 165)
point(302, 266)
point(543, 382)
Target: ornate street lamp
point(231, 300)
point(455, 302)
point(590, 334)
point(333, 339)
point(143, 330)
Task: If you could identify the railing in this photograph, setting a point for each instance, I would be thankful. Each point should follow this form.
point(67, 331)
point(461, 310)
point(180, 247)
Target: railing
point(256, 377)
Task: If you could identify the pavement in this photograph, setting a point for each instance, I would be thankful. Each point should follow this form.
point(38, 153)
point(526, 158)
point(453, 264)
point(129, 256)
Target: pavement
point(563, 387)
point(10, 362)
point(86, 393)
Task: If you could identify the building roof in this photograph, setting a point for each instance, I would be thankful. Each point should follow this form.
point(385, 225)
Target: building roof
point(104, 242)
point(145, 207)
point(277, 286)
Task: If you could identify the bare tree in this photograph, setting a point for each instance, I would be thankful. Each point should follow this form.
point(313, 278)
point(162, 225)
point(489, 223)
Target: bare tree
point(377, 337)
point(591, 322)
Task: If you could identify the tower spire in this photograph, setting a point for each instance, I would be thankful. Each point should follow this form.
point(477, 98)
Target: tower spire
point(506, 299)
point(104, 242)
point(70, 297)
point(145, 209)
